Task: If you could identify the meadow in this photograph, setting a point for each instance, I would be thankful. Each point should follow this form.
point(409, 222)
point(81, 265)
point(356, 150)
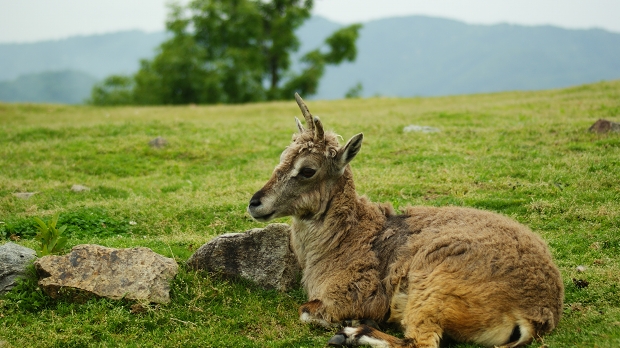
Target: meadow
point(527, 155)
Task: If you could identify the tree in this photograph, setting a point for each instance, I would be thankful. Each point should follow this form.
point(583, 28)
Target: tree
point(114, 90)
point(236, 51)
point(177, 74)
point(341, 47)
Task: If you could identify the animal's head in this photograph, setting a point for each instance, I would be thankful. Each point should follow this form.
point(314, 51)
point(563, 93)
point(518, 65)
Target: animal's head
point(309, 168)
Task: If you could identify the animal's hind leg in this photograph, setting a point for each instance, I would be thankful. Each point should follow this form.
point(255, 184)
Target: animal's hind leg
point(439, 304)
point(423, 327)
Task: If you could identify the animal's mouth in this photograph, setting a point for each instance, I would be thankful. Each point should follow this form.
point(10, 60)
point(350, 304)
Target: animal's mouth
point(266, 217)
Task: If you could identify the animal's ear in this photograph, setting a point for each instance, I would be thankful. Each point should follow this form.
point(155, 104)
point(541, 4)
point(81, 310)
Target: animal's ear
point(349, 151)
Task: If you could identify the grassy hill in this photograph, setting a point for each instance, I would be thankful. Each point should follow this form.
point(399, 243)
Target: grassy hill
point(527, 155)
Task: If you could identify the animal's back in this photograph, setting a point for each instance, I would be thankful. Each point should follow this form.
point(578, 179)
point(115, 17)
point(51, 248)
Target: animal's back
point(478, 266)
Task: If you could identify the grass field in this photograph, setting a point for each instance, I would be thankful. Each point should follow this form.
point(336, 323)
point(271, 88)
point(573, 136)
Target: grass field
point(527, 155)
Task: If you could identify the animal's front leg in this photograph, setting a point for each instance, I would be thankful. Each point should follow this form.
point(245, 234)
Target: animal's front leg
point(364, 335)
point(313, 312)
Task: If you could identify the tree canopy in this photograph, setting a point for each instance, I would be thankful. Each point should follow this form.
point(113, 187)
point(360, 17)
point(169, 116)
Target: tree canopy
point(230, 51)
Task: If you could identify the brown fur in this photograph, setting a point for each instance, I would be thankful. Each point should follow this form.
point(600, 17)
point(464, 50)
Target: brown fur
point(472, 275)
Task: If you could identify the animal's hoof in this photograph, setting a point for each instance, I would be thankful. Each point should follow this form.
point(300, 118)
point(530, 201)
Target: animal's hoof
point(337, 340)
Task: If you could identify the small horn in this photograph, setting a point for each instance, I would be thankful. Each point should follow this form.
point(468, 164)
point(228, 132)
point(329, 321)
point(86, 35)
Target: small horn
point(305, 112)
point(319, 135)
point(299, 125)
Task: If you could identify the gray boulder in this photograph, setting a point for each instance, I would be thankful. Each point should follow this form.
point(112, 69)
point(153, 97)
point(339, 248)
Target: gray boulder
point(14, 259)
point(262, 255)
point(93, 270)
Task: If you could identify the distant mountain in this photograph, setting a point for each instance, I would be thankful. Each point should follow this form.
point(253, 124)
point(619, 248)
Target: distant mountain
point(97, 55)
point(69, 87)
point(404, 56)
point(424, 56)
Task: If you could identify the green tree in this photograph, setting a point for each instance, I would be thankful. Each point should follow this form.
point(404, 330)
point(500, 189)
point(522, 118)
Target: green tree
point(177, 74)
point(114, 90)
point(341, 45)
point(355, 91)
point(235, 51)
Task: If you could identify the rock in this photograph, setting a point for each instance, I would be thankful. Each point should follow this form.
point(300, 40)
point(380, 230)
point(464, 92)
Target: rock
point(421, 129)
point(24, 195)
point(93, 270)
point(14, 260)
point(79, 188)
point(603, 126)
point(581, 268)
point(262, 255)
point(580, 283)
point(158, 142)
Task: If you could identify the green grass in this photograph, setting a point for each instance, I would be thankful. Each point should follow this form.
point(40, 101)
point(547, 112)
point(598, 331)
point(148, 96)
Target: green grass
point(527, 155)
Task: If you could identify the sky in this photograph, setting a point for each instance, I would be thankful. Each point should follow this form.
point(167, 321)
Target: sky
point(38, 20)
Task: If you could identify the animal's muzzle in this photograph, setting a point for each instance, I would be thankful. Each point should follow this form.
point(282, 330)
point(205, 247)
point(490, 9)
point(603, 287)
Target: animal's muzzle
point(255, 201)
point(256, 208)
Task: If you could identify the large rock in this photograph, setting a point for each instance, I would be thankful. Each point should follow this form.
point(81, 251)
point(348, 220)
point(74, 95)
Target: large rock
point(93, 270)
point(14, 259)
point(262, 255)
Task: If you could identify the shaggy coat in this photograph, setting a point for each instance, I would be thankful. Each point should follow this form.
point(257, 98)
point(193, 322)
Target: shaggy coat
point(472, 275)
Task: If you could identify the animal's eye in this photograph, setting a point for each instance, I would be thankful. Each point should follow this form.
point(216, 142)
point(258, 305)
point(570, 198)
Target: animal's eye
point(307, 172)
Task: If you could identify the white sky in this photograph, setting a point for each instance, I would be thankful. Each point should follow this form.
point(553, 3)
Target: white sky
point(36, 20)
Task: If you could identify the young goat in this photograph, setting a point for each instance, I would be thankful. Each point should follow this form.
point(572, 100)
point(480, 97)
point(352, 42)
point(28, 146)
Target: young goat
point(472, 275)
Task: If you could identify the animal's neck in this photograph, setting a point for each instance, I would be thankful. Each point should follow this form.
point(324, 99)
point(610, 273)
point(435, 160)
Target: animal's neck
point(341, 214)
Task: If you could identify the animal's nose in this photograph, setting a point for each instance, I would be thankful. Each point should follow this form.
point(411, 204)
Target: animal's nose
point(255, 201)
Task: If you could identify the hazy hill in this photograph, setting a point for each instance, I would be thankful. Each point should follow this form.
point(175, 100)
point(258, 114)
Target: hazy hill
point(429, 56)
point(403, 56)
point(97, 55)
point(71, 87)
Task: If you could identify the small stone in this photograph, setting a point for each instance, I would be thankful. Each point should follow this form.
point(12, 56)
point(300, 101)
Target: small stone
point(93, 270)
point(79, 188)
point(262, 255)
point(421, 129)
point(14, 261)
point(158, 142)
point(24, 195)
point(604, 126)
point(581, 268)
point(580, 283)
